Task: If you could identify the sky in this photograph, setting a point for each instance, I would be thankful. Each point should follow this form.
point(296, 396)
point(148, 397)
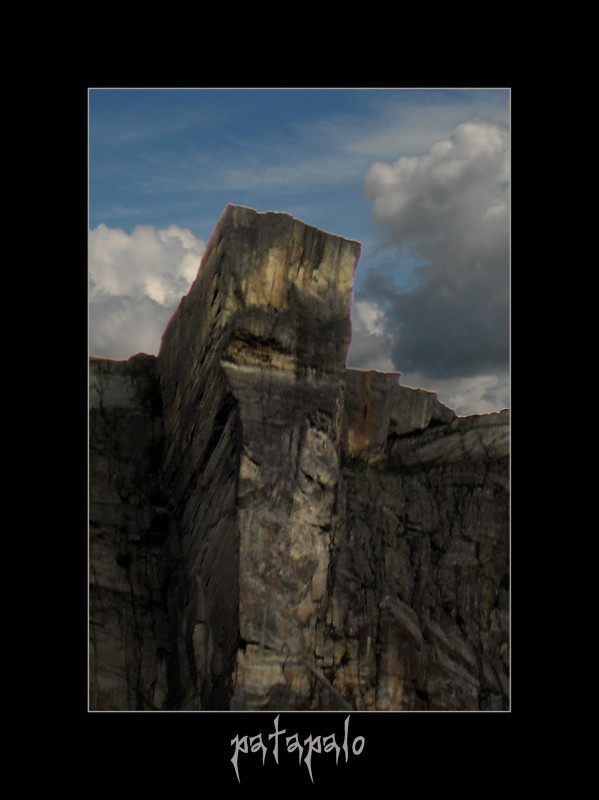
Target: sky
point(421, 177)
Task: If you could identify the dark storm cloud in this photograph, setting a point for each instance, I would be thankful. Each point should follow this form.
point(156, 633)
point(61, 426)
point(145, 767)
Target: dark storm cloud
point(450, 210)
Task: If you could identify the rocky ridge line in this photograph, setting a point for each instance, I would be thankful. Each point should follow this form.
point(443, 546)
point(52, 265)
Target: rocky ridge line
point(270, 530)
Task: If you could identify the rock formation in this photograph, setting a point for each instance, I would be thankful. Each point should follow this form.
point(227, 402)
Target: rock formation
point(270, 530)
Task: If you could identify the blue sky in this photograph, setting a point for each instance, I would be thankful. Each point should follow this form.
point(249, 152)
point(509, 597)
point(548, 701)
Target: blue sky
point(163, 164)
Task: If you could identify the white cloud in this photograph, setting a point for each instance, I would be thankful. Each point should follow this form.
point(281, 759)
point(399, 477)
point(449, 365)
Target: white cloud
point(371, 316)
point(455, 183)
point(136, 282)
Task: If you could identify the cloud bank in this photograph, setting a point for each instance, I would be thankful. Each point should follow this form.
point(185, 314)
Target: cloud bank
point(445, 214)
point(136, 281)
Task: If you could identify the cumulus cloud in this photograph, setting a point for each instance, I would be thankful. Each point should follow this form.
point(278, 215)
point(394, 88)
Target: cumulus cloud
point(370, 345)
point(448, 212)
point(136, 281)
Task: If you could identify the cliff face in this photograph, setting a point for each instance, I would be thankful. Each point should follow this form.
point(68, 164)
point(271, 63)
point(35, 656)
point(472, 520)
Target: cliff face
point(270, 530)
point(421, 581)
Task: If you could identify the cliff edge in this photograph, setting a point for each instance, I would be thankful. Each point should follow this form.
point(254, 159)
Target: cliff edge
point(270, 530)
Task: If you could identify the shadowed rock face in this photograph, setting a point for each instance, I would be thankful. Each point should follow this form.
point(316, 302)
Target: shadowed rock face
point(270, 530)
point(128, 530)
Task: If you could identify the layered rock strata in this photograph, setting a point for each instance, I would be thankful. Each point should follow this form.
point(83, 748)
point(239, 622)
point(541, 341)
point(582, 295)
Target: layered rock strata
point(270, 530)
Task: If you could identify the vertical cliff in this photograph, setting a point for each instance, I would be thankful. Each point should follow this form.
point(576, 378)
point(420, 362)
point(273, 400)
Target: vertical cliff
point(271, 530)
point(251, 369)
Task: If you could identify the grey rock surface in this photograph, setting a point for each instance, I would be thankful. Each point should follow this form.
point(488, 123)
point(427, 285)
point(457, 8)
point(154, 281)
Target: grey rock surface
point(425, 548)
point(269, 530)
